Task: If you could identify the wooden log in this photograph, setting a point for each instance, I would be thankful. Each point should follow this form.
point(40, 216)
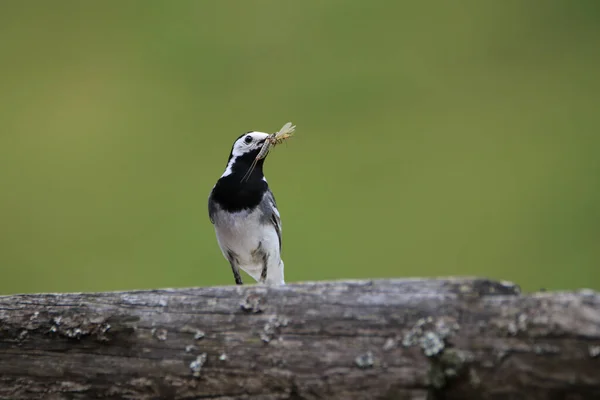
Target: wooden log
point(457, 338)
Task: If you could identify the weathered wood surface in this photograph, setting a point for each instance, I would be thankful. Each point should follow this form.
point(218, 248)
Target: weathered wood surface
point(392, 339)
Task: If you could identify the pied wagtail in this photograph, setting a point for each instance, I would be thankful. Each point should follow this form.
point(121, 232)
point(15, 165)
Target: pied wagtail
point(243, 211)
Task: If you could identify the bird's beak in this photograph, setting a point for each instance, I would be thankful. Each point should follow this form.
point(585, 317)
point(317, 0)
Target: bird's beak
point(264, 150)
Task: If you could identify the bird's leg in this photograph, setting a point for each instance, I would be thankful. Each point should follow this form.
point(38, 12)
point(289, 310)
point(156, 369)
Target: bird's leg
point(231, 257)
point(263, 273)
point(259, 255)
point(236, 275)
point(265, 262)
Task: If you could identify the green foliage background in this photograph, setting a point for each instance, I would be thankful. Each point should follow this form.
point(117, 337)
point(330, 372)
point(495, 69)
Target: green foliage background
point(434, 138)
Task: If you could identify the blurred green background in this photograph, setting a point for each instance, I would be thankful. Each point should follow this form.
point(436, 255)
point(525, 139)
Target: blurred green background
point(433, 138)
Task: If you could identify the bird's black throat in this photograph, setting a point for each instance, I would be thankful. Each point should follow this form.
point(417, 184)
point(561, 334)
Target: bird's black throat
point(234, 195)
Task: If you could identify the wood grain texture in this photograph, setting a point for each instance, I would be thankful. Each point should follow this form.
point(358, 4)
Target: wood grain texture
point(432, 339)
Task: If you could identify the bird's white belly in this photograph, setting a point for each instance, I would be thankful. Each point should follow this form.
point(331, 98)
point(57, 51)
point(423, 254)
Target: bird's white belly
point(243, 234)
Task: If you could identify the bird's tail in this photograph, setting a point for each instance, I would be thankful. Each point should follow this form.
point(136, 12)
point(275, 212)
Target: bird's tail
point(275, 275)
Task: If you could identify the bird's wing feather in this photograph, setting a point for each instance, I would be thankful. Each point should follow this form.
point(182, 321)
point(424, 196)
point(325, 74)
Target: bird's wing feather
point(271, 213)
point(212, 209)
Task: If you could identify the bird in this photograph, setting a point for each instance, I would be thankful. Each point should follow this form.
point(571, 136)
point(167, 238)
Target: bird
point(242, 208)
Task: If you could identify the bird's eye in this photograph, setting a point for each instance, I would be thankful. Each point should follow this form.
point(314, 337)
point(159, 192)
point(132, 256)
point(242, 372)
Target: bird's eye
point(248, 139)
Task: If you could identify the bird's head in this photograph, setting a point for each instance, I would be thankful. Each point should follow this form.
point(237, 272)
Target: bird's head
point(248, 145)
point(244, 153)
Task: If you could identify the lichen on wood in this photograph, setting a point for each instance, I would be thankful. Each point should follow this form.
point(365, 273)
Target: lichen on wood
point(455, 338)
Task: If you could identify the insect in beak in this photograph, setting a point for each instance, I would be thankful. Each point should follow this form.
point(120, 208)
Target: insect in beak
point(272, 140)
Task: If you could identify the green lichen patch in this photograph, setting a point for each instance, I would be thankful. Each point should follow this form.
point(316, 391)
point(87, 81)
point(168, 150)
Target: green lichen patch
point(197, 364)
point(272, 328)
point(430, 334)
